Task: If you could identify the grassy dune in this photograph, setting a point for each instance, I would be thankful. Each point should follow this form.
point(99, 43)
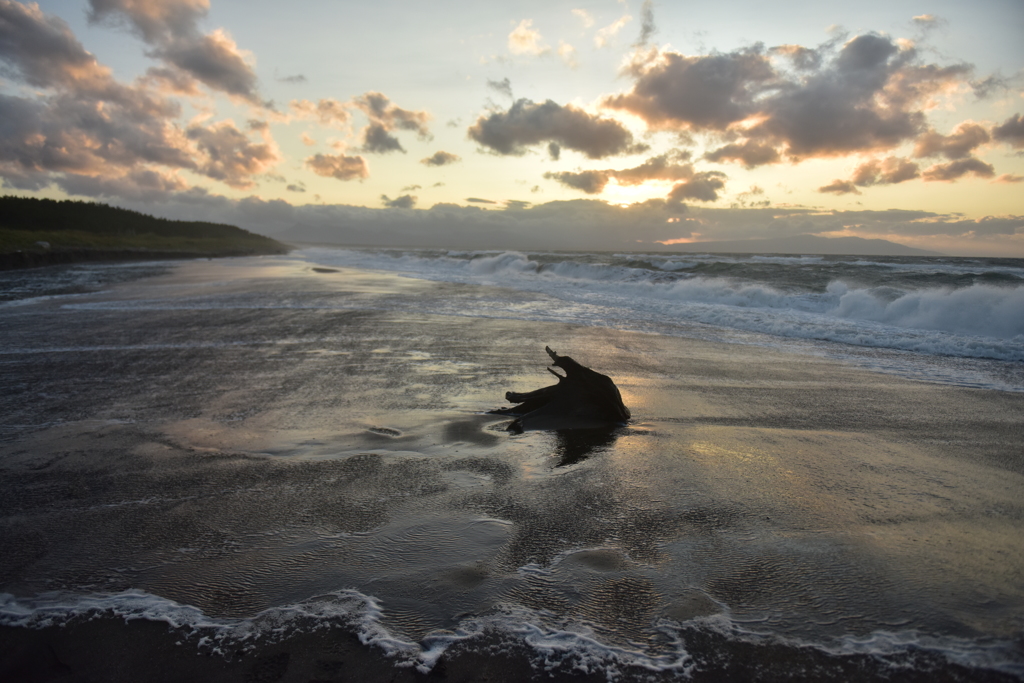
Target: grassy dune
point(35, 232)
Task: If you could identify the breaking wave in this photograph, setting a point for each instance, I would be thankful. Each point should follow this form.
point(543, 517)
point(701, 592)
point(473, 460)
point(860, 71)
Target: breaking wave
point(551, 643)
point(939, 307)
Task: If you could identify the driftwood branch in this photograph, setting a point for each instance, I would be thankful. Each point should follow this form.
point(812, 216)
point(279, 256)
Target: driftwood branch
point(582, 399)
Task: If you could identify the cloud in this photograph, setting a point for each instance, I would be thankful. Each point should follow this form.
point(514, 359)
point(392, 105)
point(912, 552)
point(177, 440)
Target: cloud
point(1008, 178)
point(647, 27)
point(154, 21)
point(525, 40)
point(957, 145)
point(296, 188)
point(928, 21)
point(750, 153)
point(958, 169)
point(868, 94)
point(477, 200)
point(1011, 131)
point(376, 138)
point(339, 166)
point(585, 17)
point(171, 27)
point(216, 61)
point(45, 53)
point(529, 123)
point(711, 92)
point(567, 224)
point(703, 187)
point(84, 130)
point(406, 201)
point(665, 167)
point(385, 118)
point(229, 154)
point(889, 171)
point(504, 87)
point(146, 185)
point(296, 78)
point(604, 36)
point(840, 187)
point(441, 158)
point(329, 112)
point(568, 54)
point(591, 182)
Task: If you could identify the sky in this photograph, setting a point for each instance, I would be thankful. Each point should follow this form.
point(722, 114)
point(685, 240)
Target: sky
point(605, 125)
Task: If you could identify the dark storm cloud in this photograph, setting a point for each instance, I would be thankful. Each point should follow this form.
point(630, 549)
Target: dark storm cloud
point(529, 123)
point(1011, 131)
point(957, 145)
point(441, 158)
point(406, 201)
point(338, 166)
point(867, 94)
point(171, 27)
point(958, 169)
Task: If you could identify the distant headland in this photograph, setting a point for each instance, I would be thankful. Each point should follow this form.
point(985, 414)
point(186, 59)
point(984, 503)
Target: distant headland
point(40, 232)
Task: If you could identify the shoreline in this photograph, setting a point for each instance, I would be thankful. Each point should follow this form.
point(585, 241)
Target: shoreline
point(54, 256)
point(240, 437)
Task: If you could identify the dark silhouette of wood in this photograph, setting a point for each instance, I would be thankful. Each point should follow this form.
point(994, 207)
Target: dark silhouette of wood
point(582, 399)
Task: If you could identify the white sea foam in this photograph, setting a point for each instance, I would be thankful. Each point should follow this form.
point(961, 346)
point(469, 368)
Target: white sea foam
point(555, 642)
point(979, 320)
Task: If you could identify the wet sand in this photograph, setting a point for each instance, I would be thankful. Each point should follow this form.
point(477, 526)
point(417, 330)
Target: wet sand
point(228, 437)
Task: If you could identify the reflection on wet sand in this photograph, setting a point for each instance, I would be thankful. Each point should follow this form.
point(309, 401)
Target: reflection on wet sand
point(576, 445)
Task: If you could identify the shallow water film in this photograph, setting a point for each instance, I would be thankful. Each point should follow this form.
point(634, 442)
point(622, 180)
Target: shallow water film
point(277, 469)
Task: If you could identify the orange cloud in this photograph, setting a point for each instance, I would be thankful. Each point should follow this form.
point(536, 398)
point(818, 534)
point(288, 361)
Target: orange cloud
point(339, 166)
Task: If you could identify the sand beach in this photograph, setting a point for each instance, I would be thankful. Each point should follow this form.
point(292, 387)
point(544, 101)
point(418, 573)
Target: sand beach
point(269, 469)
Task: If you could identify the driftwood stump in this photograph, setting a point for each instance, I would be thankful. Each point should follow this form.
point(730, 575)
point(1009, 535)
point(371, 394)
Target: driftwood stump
point(582, 399)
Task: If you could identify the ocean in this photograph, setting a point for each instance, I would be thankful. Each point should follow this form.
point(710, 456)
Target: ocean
point(943, 310)
point(284, 468)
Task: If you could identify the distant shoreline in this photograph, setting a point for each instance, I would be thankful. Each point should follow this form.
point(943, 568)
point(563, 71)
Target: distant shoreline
point(42, 232)
point(65, 256)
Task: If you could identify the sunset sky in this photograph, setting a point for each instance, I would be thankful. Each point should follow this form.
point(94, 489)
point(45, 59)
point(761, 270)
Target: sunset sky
point(586, 125)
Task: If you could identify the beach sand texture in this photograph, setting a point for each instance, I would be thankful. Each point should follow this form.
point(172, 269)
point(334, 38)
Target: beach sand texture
point(306, 471)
